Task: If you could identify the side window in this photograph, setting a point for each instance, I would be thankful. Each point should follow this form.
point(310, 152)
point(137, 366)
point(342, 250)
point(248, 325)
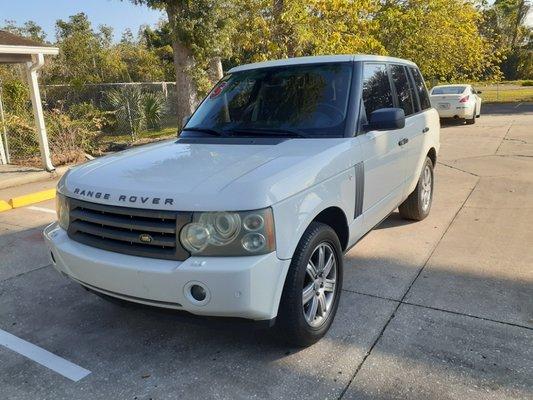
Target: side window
point(403, 89)
point(420, 88)
point(376, 88)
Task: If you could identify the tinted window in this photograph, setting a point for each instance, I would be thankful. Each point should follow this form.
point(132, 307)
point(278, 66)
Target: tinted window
point(448, 90)
point(311, 100)
point(420, 88)
point(376, 88)
point(403, 89)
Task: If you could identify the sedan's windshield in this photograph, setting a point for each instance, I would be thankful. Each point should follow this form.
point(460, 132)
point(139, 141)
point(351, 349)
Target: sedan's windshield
point(298, 101)
point(448, 90)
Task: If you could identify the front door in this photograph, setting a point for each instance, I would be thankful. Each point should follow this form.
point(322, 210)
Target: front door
point(382, 154)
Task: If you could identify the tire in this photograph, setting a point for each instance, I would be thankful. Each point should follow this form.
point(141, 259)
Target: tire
point(472, 120)
point(295, 322)
point(417, 206)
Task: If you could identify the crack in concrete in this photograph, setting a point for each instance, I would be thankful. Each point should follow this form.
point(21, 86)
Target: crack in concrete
point(505, 136)
point(458, 169)
point(25, 273)
point(439, 309)
point(402, 300)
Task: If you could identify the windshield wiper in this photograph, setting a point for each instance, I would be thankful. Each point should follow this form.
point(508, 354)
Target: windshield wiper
point(269, 132)
point(209, 131)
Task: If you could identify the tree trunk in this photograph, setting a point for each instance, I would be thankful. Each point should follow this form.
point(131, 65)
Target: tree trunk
point(215, 69)
point(183, 65)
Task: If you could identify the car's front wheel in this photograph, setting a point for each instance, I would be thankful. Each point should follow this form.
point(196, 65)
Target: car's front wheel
point(312, 288)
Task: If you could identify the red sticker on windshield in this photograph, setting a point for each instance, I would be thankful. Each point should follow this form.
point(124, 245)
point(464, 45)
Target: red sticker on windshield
point(218, 89)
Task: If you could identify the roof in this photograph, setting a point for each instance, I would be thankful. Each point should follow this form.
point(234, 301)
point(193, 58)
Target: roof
point(319, 60)
point(14, 44)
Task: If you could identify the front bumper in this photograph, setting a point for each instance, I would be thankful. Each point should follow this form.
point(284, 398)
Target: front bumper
point(243, 287)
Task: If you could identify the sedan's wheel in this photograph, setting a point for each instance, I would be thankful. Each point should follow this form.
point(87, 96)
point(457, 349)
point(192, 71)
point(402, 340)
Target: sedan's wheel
point(312, 288)
point(418, 204)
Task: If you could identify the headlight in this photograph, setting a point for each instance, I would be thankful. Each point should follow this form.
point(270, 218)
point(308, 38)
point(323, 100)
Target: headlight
point(230, 233)
point(62, 210)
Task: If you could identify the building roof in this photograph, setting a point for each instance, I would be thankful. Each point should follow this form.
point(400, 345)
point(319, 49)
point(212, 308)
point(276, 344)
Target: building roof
point(318, 60)
point(13, 44)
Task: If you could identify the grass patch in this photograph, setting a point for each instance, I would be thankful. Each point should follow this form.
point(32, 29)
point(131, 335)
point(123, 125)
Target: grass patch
point(505, 93)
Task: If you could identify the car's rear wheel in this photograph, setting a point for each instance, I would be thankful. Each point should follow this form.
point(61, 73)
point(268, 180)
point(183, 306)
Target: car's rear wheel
point(418, 204)
point(472, 120)
point(312, 288)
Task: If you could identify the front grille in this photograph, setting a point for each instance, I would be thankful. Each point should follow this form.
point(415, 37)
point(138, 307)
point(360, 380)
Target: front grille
point(135, 231)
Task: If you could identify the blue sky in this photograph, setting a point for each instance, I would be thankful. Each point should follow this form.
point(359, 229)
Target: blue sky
point(115, 13)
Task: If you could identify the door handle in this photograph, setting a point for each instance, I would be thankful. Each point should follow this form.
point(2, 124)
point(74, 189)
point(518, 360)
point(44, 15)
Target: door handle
point(403, 141)
point(426, 129)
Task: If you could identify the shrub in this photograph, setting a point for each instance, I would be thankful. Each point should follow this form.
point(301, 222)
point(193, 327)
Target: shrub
point(69, 139)
point(135, 109)
point(154, 107)
point(127, 104)
point(527, 83)
point(15, 96)
point(22, 140)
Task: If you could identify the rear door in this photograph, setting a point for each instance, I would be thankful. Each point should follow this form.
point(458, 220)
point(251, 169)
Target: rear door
point(411, 136)
point(426, 124)
point(383, 172)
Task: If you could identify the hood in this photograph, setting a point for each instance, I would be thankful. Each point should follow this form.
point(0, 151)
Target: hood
point(203, 177)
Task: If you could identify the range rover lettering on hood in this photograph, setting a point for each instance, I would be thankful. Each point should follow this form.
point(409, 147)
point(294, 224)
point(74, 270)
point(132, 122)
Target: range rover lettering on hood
point(125, 198)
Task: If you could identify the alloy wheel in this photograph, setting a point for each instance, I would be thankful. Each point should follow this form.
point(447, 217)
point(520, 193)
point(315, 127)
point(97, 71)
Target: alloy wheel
point(319, 288)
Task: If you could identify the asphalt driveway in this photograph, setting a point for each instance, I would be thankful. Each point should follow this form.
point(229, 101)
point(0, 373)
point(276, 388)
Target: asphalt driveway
point(440, 309)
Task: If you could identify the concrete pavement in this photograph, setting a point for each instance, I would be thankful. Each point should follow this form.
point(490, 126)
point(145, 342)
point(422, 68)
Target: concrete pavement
point(441, 309)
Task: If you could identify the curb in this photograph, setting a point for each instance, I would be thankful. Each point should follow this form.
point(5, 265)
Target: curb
point(4, 206)
point(27, 199)
point(33, 177)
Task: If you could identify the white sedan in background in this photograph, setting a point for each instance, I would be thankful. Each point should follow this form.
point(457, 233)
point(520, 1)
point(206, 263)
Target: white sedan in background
point(456, 101)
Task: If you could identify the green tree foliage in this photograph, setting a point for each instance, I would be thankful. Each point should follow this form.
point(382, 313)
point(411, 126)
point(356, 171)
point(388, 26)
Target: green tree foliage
point(441, 36)
point(200, 33)
point(90, 56)
point(508, 30)
point(279, 29)
point(29, 29)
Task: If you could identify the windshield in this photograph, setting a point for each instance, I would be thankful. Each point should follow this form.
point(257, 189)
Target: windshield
point(309, 100)
point(448, 90)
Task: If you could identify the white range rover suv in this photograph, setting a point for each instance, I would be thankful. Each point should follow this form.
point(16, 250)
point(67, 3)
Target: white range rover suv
point(282, 168)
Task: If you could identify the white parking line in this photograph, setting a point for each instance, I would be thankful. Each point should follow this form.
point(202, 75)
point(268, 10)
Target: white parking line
point(42, 209)
point(43, 357)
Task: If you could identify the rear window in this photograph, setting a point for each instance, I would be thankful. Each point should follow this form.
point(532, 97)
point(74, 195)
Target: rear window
point(404, 92)
point(420, 89)
point(448, 90)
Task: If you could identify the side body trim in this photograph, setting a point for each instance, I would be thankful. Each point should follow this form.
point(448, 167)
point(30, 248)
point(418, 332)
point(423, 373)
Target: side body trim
point(359, 170)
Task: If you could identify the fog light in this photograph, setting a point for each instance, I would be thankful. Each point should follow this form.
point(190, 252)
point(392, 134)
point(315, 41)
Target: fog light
point(198, 293)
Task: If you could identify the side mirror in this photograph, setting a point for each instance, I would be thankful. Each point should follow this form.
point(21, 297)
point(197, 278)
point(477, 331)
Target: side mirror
point(386, 119)
point(185, 120)
point(479, 92)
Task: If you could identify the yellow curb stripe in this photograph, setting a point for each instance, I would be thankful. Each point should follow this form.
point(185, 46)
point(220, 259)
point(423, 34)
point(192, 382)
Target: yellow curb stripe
point(4, 206)
point(32, 198)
